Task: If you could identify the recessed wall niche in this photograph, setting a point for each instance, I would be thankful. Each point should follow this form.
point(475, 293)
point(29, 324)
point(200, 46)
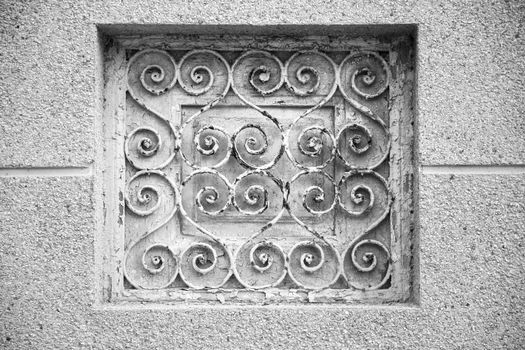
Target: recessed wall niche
point(258, 169)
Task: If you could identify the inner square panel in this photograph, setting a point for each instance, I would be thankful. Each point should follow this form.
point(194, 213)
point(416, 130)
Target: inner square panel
point(270, 176)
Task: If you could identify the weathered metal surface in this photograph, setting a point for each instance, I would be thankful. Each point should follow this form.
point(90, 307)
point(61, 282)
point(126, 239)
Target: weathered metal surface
point(261, 170)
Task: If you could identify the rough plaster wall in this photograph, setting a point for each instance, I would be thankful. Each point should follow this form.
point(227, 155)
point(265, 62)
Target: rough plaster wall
point(472, 225)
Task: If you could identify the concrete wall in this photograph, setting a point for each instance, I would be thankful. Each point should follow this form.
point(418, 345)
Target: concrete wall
point(471, 147)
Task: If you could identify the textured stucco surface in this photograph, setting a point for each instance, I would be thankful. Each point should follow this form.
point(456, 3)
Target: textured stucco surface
point(471, 70)
point(470, 111)
point(472, 263)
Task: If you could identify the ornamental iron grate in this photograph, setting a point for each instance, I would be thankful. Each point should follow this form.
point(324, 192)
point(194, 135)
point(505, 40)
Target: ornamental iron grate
point(261, 175)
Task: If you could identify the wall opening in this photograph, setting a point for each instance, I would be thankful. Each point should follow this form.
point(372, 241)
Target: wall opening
point(259, 165)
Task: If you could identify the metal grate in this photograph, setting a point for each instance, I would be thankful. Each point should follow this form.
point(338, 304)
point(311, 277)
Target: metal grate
point(252, 170)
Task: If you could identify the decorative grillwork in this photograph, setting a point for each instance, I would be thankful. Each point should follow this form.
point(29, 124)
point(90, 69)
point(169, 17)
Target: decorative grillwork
point(223, 135)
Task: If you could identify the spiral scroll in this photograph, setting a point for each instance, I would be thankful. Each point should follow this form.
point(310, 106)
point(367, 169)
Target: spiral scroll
point(156, 77)
point(213, 146)
point(252, 145)
point(254, 149)
point(367, 265)
point(310, 73)
point(208, 198)
point(149, 144)
point(314, 265)
point(365, 194)
point(205, 265)
point(207, 145)
point(264, 70)
point(144, 196)
point(198, 70)
point(364, 75)
point(315, 148)
point(314, 143)
point(143, 147)
point(315, 190)
point(260, 265)
point(158, 268)
point(360, 148)
point(251, 191)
